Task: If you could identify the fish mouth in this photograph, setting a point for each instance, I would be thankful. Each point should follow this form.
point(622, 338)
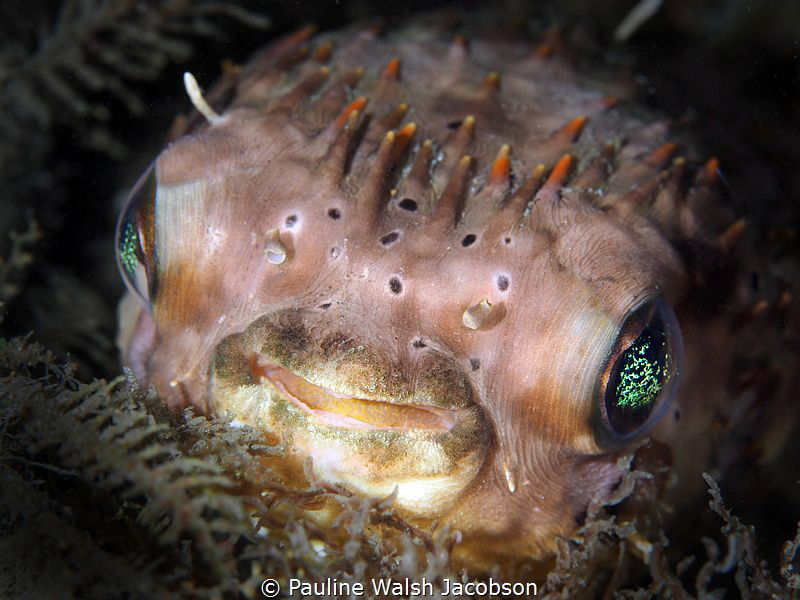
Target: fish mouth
point(344, 410)
point(362, 420)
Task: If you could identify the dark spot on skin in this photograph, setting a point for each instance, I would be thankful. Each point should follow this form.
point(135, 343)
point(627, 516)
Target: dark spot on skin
point(454, 124)
point(325, 306)
point(507, 240)
point(502, 283)
point(390, 238)
point(290, 221)
point(677, 415)
point(468, 240)
point(408, 204)
point(419, 344)
point(395, 286)
point(334, 213)
point(475, 363)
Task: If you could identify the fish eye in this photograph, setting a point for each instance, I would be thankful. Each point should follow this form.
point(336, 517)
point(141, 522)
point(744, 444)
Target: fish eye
point(640, 374)
point(135, 238)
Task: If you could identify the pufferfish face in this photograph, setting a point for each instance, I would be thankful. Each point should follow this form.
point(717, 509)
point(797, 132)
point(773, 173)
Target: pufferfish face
point(422, 276)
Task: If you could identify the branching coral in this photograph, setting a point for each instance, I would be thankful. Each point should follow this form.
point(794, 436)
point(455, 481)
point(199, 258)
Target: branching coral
point(751, 573)
point(99, 436)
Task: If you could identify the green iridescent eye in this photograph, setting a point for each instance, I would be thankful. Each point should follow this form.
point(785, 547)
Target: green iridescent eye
point(129, 249)
point(135, 239)
point(641, 372)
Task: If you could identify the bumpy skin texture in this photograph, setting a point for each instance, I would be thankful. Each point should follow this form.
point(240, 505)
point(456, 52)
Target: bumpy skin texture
point(357, 222)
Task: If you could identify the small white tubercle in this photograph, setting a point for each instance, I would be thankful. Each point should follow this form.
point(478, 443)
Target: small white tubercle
point(196, 96)
point(275, 250)
point(477, 314)
point(510, 480)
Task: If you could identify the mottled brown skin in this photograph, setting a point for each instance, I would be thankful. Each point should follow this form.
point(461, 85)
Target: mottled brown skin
point(563, 254)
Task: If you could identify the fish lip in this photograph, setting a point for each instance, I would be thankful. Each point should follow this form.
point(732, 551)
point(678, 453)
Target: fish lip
point(437, 420)
point(341, 387)
point(434, 397)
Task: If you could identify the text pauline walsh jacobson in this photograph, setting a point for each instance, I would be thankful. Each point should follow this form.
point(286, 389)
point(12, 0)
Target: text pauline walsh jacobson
point(407, 587)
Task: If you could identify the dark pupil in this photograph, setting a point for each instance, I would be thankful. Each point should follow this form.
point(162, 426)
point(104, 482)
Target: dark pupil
point(637, 380)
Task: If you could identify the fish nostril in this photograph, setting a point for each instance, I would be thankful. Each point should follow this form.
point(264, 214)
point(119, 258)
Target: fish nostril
point(390, 238)
point(468, 240)
point(475, 363)
point(502, 283)
point(334, 213)
point(395, 285)
point(419, 344)
point(408, 204)
point(290, 221)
